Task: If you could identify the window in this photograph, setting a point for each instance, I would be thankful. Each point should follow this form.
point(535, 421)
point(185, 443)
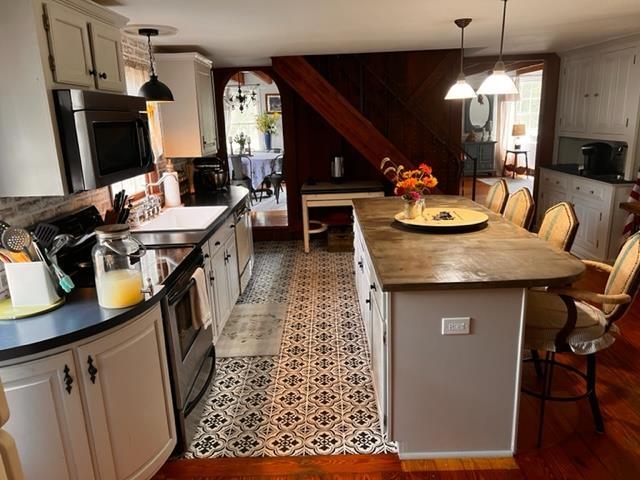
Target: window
point(527, 109)
point(245, 121)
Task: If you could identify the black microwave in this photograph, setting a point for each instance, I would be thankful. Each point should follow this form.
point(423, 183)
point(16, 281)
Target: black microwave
point(104, 137)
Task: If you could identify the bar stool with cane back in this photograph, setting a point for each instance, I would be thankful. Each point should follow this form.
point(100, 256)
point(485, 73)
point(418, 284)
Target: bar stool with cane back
point(566, 320)
point(519, 208)
point(497, 196)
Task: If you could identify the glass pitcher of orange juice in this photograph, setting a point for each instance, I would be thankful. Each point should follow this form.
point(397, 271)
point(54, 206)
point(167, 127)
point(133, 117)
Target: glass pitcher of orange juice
point(116, 261)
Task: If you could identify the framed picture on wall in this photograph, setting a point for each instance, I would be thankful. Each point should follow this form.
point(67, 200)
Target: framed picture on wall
point(273, 102)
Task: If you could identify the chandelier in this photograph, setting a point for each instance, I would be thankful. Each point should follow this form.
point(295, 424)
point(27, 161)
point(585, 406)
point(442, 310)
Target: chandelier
point(241, 99)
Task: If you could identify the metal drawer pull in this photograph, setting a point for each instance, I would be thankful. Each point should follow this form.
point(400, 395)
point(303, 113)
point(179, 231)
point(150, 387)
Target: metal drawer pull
point(217, 244)
point(68, 379)
point(92, 370)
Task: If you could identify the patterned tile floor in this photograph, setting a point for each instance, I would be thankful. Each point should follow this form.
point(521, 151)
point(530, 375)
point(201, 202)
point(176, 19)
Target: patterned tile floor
point(316, 396)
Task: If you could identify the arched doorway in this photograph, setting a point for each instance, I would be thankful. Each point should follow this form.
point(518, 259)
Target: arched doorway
point(255, 143)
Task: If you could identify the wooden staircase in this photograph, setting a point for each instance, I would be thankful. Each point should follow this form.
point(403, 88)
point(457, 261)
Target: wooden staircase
point(338, 111)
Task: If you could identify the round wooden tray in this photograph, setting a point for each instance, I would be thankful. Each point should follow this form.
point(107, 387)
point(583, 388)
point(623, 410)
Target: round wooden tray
point(9, 312)
point(437, 220)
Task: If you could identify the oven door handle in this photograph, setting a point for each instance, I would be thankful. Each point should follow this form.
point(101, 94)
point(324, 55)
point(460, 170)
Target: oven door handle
point(173, 299)
point(188, 408)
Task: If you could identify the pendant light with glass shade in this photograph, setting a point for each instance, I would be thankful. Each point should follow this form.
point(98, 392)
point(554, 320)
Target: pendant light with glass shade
point(154, 90)
point(461, 89)
point(499, 83)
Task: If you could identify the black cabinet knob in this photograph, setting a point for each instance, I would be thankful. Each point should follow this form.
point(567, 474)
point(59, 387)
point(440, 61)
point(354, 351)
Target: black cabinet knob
point(103, 75)
point(206, 256)
point(217, 244)
point(93, 72)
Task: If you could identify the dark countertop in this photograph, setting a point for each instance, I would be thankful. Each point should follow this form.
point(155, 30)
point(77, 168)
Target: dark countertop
point(233, 199)
point(81, 316)
point(499, 255)
point(573, 169)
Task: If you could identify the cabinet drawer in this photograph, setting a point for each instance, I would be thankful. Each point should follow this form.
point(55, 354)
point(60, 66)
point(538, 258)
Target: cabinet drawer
point(588, 188)
point(217, 240)
point(556, 180)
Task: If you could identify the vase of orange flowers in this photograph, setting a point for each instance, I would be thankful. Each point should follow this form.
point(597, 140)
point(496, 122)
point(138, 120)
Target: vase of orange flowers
point(411, 185)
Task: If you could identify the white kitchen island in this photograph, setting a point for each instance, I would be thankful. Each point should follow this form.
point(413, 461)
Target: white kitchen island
point(454, 394)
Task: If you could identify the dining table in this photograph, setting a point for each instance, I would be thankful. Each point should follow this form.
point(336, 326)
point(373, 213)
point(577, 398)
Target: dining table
point(257, 166)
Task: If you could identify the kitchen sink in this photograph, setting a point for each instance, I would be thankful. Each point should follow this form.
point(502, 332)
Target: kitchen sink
point(182, 219)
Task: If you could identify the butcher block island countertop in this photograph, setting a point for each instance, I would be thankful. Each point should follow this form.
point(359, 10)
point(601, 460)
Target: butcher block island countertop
point(500, 255)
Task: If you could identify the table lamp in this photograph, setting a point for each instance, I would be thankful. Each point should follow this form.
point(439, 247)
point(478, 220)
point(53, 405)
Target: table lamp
point(518, 130)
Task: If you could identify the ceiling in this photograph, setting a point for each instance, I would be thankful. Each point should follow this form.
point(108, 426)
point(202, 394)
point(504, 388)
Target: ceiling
point(249, 32)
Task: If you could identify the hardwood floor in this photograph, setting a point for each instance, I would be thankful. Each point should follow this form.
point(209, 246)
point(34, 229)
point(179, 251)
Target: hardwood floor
point(270, 218)
point(571, 449)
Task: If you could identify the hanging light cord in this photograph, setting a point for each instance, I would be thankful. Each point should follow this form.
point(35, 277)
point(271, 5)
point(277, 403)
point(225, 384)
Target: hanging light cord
point(462, 52)
point(504, 17)
point(153, 73)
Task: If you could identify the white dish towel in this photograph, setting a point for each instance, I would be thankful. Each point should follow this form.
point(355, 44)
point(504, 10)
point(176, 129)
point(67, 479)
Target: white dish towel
point(200, 306)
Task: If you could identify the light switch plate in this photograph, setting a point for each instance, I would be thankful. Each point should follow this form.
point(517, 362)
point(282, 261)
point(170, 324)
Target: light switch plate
point(456, 326)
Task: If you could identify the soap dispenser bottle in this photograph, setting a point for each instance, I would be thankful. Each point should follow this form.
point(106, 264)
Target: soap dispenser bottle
point(171, 186)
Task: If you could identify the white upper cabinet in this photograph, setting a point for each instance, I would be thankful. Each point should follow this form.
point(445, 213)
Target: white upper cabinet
point(188, 124)
point(69, 49)
point(599, 93)
point(107, 56)
point(83, 51)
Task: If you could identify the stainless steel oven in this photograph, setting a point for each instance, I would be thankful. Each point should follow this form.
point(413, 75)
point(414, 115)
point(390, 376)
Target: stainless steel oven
point(191, 352)
point(104, 137)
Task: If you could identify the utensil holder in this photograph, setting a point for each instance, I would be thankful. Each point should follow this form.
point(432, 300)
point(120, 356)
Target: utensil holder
point(30, 284)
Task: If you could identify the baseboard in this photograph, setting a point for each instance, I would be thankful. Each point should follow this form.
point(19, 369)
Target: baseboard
point(465, 454)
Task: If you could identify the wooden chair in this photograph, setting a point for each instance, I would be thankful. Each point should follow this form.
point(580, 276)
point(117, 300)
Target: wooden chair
point(566, 320)
point(497, 196)
point(559, 226)
point(519, 208)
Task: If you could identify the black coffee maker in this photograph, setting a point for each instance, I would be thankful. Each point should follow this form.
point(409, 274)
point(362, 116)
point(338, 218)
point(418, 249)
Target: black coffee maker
point(599, 159)
point(210, 175)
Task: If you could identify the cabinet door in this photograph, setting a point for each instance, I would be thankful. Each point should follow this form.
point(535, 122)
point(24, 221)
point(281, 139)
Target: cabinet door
point(128, 399)
point(615, 91)
point(576, 78)
point(47, 420)
point(206, 109)
point(220, 288)
point(233, 276)
point(107, 54)
point(379, 359)
point(69, 47)
point(590, 239)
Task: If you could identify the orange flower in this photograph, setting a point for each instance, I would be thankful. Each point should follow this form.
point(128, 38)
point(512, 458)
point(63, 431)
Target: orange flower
point(430, 181)
point(425, 168)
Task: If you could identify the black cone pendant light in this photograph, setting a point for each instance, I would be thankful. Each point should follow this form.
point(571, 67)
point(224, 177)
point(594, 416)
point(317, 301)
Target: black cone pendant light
point(154, 90)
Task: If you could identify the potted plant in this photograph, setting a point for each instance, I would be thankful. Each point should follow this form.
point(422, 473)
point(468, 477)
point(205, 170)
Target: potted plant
point(267, 123)
point(241, 139)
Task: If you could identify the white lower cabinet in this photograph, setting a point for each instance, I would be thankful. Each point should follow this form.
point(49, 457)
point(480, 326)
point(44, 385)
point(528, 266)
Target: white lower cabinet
point(46, 418)
point(597, 208)
point(379, 359)
point(224, 275)
point(101, 409)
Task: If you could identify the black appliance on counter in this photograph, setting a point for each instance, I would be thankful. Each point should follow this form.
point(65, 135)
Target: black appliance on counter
point(600, 158)
point(210, 175)
point(104, 137)
point(190, 350)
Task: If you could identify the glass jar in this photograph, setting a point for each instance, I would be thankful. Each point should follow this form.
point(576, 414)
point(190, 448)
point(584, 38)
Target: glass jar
point(116, 262)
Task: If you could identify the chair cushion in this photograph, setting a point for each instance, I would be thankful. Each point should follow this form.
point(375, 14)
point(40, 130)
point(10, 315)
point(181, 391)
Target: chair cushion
point(547, 315)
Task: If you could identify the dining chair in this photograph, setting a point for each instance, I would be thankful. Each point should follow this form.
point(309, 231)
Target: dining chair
point(519, 208)
point(276, 177)
point(568, 320)
point(238, 177)
point(497, 196)
point(559, 226)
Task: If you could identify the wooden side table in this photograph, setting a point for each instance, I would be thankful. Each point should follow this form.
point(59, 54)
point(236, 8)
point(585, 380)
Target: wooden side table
point(513, 167)
point(324, 194)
